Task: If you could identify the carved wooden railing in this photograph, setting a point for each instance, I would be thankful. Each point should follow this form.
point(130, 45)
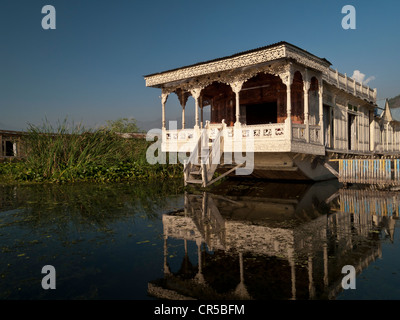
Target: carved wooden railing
point(315, 134)
point(348, 84)
point(180, 135)
point(189, 140)
point(262, 131)
point(299, 133)
point(259, 131)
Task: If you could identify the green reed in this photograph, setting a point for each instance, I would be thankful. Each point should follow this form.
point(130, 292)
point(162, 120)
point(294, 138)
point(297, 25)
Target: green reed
point(70, 152)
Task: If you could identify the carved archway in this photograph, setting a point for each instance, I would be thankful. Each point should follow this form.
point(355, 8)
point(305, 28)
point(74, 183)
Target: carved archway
point(172, 108)
point(313, 97)
point(263, 100)
point(222, 100)
point(297, 98)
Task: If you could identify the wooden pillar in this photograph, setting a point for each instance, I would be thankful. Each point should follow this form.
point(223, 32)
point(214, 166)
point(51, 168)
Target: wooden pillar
point(196, 117)
point(326, 274)
point(311, 288)
point(335, 124)
point(196, 95)
point(287, 79)
point(199, 276)
point(183, 96)
point(236, 87)
point(371, 132)
point(306, 87)
point(346, 127)
point(183, 117)
point(321, 111)
point(291, 260)
point(387, 136)
point(201, 111)
point(164, 98)
point(241, 267)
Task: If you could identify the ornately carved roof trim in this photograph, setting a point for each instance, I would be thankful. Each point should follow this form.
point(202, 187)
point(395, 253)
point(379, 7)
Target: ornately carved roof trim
point(243, 59)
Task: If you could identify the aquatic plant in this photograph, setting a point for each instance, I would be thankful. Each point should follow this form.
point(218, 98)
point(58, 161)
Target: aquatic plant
point(70, 152)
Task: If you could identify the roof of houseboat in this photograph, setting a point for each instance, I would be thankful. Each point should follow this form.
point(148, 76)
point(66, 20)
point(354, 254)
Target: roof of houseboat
point(277, 44)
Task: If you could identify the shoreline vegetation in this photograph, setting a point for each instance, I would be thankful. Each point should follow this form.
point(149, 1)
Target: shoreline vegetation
point(72, 153)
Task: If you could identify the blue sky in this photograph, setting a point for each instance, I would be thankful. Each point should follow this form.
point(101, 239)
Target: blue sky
point(90, 68)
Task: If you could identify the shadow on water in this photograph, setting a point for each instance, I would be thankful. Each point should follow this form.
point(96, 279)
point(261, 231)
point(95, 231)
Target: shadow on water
point(267, 241)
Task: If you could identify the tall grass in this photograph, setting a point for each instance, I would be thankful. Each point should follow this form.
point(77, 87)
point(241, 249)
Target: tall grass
point(64, 151)
point(70, 152)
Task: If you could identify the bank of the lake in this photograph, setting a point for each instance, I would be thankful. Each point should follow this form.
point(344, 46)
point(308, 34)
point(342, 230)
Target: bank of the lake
point(77, 155)
point(21, 172)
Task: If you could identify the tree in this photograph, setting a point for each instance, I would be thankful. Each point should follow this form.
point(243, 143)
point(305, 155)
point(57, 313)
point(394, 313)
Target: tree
point(122, 125)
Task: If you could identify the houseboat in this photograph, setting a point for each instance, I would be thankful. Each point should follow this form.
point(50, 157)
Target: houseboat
point(276, 112)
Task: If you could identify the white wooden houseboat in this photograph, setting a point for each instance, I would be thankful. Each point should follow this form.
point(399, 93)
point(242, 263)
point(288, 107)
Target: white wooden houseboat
point(297, 112)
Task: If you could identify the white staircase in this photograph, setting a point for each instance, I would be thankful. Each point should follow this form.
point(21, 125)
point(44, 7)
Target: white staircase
point(205, 159)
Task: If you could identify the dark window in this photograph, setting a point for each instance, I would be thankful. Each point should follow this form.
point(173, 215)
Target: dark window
point(9, 149)
point(261, 113)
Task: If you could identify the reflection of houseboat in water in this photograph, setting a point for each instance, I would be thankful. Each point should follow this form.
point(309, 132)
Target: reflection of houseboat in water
point(274, 241)
point(289, 105)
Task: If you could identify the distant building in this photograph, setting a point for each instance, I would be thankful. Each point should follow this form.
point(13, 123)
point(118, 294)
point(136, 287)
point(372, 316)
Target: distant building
point(11, 144)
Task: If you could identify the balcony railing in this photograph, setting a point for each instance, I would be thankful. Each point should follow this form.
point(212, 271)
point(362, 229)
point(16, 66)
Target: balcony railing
point(350, 85)
point(266, 137)
point(273, 131)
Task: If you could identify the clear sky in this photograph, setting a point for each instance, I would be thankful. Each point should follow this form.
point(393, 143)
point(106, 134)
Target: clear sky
point(90, 68)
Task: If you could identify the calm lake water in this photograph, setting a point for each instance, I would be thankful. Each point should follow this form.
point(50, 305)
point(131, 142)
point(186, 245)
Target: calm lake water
point(253, 240)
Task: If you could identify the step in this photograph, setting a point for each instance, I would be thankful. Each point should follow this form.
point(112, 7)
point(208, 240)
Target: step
point(194, 181)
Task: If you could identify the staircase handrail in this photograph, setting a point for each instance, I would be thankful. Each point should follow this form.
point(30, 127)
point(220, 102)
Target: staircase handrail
point(188, 163)
point(217, 141)
point(213, 158)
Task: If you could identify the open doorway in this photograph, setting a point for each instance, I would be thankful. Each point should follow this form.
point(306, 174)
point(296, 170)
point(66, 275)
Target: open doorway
point(328, 126)
point(352, 132)
point(261, 113)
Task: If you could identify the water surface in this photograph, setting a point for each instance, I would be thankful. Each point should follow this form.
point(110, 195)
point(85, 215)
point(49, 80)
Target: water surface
point(253, 240)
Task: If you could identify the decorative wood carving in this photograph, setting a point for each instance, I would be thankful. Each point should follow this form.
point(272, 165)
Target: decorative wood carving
point(203, 71)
